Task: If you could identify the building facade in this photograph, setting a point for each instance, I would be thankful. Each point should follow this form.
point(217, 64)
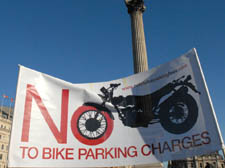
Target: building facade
point(5, 129)
point(156, 165)
point(214, 160)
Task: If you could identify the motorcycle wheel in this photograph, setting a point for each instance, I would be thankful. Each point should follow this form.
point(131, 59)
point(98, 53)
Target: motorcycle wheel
point(179, 115)
point(91, 126)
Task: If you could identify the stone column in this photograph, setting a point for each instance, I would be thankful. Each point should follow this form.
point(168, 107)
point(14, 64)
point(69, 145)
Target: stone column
point(140, 60)
point(195, 161)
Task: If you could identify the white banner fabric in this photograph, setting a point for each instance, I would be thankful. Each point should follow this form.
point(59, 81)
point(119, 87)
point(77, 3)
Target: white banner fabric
point(60, 124)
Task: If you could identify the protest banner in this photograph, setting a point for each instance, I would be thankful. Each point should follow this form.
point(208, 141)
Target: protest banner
point(61, 124)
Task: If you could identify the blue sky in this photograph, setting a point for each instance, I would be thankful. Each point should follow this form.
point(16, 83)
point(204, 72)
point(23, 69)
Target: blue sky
point(90, 41)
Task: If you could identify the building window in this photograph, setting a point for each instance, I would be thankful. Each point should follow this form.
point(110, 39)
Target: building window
point(0, 136)
point(0, 156)
point(2, 146)
point(200, 165)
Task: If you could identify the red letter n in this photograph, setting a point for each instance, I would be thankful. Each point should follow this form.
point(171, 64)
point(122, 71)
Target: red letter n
point(60, 136)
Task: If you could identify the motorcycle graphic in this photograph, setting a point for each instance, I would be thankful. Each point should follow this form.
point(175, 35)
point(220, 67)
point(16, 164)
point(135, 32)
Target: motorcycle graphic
point(171, 105)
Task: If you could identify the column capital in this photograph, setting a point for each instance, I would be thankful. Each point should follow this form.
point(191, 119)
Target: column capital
point(135, 5)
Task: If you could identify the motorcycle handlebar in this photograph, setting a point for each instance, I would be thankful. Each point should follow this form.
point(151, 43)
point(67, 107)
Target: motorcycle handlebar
point(185, 82)
point(175, 81)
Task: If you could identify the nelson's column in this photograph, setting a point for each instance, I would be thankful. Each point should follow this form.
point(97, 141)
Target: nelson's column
point(140, 60)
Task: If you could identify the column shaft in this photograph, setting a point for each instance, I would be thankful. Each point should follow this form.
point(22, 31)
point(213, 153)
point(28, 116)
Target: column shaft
point(140, 59)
